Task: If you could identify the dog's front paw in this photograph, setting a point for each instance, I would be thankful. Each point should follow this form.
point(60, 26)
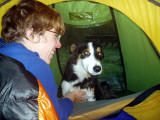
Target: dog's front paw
point(89, 98)
point(89, 95)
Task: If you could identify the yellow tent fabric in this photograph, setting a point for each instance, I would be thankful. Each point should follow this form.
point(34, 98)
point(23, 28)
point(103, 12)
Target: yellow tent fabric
point(144, 13)
point(149, 109)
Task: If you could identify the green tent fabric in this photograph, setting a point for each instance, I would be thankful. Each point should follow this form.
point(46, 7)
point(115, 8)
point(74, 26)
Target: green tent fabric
point(83, 13)
point(142, 65)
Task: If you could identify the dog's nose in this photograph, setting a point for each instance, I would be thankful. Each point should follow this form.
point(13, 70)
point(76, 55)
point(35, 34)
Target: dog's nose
point(97, 68)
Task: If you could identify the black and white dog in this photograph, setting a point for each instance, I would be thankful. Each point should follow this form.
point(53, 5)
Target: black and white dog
point(82, 70)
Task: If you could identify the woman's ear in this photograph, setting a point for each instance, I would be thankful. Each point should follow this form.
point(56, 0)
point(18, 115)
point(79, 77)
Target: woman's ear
point(29, 34)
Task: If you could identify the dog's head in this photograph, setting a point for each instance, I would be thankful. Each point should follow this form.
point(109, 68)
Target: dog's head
point(89, 56)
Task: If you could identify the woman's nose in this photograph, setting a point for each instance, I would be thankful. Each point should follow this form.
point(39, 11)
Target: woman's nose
point(58, 45)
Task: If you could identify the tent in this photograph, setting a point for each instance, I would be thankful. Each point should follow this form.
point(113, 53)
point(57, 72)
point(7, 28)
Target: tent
point(137, 23)
point(139, 42)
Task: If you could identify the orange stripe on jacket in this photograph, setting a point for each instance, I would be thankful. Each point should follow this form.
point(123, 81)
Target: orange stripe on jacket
point(46, 109)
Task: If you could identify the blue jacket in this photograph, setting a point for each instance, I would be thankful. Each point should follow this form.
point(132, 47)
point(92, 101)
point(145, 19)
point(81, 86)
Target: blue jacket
point(41, 70)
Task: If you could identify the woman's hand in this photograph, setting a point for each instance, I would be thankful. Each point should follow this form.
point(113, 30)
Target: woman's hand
point(76, 95)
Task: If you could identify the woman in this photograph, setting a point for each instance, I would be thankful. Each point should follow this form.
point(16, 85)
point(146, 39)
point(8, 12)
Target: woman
point(31, 31)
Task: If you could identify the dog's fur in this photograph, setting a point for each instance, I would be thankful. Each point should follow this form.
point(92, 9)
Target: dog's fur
point(82, 70)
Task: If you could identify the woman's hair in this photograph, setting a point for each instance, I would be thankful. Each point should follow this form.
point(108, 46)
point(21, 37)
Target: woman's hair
point(30, 14)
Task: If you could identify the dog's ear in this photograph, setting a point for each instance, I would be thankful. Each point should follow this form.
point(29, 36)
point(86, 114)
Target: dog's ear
point(72, 48)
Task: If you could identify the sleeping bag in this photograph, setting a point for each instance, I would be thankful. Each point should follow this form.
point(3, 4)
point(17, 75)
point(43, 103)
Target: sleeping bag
point(144, 107)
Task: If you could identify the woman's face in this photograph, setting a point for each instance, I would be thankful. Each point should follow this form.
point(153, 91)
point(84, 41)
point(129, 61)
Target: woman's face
point(47, 46)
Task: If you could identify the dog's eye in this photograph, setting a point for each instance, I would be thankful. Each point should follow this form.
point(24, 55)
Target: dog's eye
point(100, 54)
point(86, 53)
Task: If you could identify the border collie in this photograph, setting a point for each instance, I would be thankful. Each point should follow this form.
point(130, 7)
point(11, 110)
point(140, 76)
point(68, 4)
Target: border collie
point(82, 70)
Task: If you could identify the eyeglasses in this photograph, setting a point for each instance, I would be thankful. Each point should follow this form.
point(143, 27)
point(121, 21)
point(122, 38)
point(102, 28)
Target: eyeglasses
point(58, 36)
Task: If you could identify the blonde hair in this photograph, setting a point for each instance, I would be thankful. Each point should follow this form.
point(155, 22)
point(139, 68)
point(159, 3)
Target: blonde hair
point(30, 14)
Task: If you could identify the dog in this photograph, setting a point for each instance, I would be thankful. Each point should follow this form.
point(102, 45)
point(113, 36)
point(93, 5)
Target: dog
point(82, 70)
